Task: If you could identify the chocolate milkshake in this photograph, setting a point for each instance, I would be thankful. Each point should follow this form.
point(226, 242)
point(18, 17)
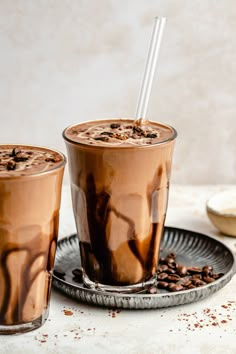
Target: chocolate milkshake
point(120, 174)
point(30, 191)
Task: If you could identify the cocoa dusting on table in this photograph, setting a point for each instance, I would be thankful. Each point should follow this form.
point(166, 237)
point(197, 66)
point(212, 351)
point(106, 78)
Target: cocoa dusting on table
point(68, 313)
point(220, 316)
point(113, 312)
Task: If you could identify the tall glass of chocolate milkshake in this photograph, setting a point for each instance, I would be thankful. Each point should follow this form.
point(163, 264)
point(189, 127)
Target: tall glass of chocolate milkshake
point(30, 192)
point(120, 174)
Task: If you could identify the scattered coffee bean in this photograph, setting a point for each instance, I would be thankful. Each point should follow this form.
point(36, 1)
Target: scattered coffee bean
point(184, 282)
point(59, 274)
point(114, 125)
point(208, 279)
point(172, 286)
point(173, 277)
point(207, 270)
point(217, 275)
point(162, 276)
point(171, 255)
point(170, 260)
point(172, 265)
point(198, 282)
point(182, 270)
point(77, 275)
point(191, 286)
point(153, 290)
point(194, 270)
point(163, 268)
point(196, 276)
point(162, 284)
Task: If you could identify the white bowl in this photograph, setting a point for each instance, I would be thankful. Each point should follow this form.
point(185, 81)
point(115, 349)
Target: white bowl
point(221, 210)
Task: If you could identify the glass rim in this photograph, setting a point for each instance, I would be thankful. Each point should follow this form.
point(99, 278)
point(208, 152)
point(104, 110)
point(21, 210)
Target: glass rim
point(147, 146)
point(36, 174)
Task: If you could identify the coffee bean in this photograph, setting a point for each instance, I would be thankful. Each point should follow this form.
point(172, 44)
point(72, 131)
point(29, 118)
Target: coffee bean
point(152, 290)
point(162, 276)
point(198, 282)
point(173, 277)
point(208, 279)
point(184, 282)
point(172, 265)
point(196, 276)
point(170, 260)
point(194, 270)
point(217, 275)
point(173, 287)
point(170, 271)
point(207, 270)
point(77, 274)
point(182, 270)
point(162, 284)
point(11, 165)
point(171, 255)
point(114, 125)
point(191, 286)
point(59, 273)
point(163, 268)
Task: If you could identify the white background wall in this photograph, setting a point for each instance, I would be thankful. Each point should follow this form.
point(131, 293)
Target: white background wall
point(65, 61)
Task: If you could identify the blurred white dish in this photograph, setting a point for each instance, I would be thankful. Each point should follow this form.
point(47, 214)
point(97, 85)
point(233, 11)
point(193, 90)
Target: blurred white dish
point(221, 210)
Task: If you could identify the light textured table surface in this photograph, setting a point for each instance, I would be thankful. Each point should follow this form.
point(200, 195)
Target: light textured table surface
point(202, 327)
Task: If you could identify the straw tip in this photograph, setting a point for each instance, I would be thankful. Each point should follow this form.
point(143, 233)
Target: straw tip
point(161, 18)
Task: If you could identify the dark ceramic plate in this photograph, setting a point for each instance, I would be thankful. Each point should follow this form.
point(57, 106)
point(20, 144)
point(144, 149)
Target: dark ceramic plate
point(192, 248)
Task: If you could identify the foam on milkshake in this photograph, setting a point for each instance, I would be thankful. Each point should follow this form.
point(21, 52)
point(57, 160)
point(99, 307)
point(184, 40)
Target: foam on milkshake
point(119, 132)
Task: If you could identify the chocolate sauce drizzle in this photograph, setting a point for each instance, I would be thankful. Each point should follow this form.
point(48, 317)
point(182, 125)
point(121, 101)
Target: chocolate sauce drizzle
point(98, 210)
point(27, 278)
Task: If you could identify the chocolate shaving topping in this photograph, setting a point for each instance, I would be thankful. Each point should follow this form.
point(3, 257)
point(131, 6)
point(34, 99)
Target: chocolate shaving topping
point(102, 138)
point(114, 125)
point(11, 165)
point(137, 129)
point(53, 159)
point(151, 135)
point(121, 136)
point(111, 134)
point(21, 156)
point(15, 151)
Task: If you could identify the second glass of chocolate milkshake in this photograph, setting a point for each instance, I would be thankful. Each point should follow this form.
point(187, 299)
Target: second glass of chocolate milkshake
point(30, 195)
point(120, 173)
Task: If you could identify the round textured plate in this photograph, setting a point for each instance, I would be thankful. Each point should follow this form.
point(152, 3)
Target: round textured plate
point(192, 248)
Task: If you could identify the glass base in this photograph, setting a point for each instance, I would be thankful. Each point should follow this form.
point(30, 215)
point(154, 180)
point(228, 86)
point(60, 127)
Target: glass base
point(126, 289)
point(25, 327)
